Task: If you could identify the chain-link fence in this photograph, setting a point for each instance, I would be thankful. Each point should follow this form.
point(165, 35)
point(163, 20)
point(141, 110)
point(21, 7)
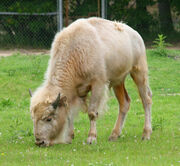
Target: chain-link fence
point(33, 24)
point(25, 24)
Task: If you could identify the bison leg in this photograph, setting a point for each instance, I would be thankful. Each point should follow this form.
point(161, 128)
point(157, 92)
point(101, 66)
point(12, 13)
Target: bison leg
point(124, 102)
point(70, 134)
point(97, 92)
point(71, 128)
point(92, 133)
point(140, 77)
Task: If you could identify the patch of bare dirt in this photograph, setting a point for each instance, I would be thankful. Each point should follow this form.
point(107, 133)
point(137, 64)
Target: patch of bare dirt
point(44, 51)
point(173, 47)
point(24, 52)
point(170, 94)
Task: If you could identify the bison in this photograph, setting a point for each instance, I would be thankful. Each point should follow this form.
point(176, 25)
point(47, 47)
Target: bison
point(87, 57)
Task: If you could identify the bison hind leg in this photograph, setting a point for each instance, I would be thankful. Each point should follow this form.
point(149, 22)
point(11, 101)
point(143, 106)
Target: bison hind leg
point(124, 103)
point(140, 77)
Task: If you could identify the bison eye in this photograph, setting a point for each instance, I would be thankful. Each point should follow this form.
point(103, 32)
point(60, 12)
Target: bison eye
point(48, 119)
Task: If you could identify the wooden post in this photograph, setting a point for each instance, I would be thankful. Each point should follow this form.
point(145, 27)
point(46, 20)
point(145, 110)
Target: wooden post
point(67, 13)
point(99, 9)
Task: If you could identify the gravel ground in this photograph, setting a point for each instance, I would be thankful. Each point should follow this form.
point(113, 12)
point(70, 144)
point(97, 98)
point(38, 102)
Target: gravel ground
point(43, 51)
point(23, 51)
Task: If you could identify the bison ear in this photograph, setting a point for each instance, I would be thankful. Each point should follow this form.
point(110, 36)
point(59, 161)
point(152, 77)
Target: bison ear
point(56, 103)
point(60, 102)
point(30, 92)
point(63, 101)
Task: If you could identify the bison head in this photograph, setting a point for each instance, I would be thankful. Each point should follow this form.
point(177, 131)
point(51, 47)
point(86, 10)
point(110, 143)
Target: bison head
point(50, 121)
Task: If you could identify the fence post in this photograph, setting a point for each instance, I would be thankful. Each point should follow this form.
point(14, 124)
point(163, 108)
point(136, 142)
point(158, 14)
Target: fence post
point(60, 14)
point(103, 9)
point(67, 13)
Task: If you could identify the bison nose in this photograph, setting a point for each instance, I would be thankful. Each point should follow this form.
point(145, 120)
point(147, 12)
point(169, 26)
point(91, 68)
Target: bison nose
point(40, 143)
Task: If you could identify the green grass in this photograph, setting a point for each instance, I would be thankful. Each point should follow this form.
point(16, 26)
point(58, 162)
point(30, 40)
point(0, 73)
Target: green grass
point(20, 72)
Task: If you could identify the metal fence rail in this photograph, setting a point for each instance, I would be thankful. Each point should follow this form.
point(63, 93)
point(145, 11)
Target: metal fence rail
point(29, 14)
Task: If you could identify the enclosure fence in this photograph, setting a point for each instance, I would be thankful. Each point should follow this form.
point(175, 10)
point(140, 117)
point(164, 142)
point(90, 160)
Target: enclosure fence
point(21, 27)
point(33, 24)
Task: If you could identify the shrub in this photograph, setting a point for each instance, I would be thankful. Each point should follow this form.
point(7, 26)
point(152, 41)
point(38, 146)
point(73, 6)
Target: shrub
point(160, 45)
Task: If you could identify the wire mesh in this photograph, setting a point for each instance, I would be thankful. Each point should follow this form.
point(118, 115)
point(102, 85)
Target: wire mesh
point(22, 27)
point(33, 24)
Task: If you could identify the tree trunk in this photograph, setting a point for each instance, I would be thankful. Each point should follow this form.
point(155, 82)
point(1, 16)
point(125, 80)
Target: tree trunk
point(141, 13)
point(165, 18)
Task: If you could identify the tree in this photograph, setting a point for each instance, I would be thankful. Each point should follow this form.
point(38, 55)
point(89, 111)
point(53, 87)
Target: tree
point(165, 18)
point(143, 17)
point(175, 5)
point(133, 12)
point(83, 8)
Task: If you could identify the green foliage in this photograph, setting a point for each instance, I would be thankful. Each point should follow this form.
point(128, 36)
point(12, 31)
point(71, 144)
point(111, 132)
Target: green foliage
point(5, 102)
point(175, 6)
point(36, 63)
point(133, 13)
point(82, 8)
point(17, 145)
point(28, 6)
point(160, 45)
point(29, 30)
point(16, 132)
point(38, 31)
point(158, 123)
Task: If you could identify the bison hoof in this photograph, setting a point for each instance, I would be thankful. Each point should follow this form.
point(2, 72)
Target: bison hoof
point(91, 140)
point(113, 137)
point(145, 137)
point(69, 140)
point(146, 134)
point(93, 115)
point(71, 135)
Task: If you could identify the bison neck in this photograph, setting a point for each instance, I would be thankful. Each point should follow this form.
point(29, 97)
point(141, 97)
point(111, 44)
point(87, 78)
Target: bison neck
point(68, 67)
point(64, 78)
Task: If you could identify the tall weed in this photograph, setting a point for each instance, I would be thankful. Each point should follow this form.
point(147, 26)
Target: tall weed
point(160, 45)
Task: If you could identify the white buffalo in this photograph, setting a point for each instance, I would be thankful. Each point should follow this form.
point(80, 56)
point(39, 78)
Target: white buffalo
point(88, 56)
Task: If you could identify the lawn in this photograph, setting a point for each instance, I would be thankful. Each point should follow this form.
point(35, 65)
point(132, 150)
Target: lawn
point(20, 72)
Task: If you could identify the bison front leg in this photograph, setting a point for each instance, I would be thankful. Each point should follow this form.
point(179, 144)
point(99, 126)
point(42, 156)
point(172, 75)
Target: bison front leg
point(71, 128)
point(97, 93)
point(70, 134)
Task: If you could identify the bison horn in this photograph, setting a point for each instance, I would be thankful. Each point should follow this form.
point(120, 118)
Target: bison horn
point(56, 102)
point(30, 92)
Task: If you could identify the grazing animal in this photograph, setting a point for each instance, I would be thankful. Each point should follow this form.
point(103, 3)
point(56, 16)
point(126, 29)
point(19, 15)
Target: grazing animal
point(87, 56)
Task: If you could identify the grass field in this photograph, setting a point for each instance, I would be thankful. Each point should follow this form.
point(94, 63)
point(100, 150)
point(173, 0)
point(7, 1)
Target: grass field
point(20, 72)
